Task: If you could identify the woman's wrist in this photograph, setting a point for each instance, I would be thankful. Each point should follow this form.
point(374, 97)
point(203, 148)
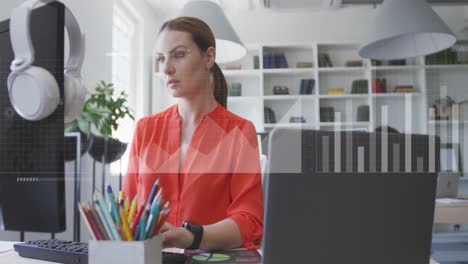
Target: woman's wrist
point(187, 237)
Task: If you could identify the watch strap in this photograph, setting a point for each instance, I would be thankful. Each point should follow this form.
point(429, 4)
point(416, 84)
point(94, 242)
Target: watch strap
point(197, 231)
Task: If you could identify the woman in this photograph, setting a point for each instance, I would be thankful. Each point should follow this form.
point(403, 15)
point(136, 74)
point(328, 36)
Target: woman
point(206, 157)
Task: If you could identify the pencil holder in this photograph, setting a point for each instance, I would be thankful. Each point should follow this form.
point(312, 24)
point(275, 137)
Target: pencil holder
point(124, 252)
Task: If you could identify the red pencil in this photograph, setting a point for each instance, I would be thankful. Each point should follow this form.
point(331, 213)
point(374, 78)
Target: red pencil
point(93, 224)
point(85, 218)
point(136, 218)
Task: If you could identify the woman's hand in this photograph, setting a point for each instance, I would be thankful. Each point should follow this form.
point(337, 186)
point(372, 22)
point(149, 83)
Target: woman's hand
point(175, 236)
point(166, 227)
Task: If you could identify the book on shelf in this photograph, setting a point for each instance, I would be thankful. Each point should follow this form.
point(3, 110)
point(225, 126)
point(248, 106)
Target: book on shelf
point(269, 116)
point(256, 62)
point(354, 63)
point(303, 64)
point(405, 89)
point(380, 85)
point(297, 119)
point(360, 87)
point(324, 60)
point(327, 114)
point(274, 60)
point(283, 63)
point(448, 56)
point(363, 113)
point(307, 86)
point(401, 62)
point(280, 90)
point(235, 89)
point(336, 91)
point(233, 66)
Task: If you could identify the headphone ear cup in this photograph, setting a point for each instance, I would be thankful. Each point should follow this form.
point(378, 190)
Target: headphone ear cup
point(33, 92)
point(75, 97)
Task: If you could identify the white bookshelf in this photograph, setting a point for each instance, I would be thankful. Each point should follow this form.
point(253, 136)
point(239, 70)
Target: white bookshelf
point(258, 82)
point(289, 71)
point(454, 66)
point(287, 97)
point(342, 69)
point(394, 95)
point(396, 68)
point(344, 124)
point(241, 73)
point(344, 96)
point(257, 87)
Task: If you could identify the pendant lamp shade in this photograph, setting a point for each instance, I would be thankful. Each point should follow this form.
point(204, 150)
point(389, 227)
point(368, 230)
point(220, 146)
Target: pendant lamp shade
point(406, 28)
point(229, 47)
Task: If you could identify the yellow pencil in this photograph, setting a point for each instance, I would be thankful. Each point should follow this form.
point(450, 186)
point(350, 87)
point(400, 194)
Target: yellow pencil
point(125, 226)
point(120, 200)
point(132, 210)
point(126, 205)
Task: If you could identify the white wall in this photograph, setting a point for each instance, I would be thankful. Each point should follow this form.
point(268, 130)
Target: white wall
point(95, 19)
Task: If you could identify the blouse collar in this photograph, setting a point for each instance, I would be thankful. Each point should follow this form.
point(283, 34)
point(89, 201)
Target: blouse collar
point(213, 114)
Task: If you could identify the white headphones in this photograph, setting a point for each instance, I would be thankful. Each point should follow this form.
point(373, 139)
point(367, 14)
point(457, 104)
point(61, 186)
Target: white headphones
point(33, 91)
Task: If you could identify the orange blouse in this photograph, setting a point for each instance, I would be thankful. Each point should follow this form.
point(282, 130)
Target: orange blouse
point(219, 177)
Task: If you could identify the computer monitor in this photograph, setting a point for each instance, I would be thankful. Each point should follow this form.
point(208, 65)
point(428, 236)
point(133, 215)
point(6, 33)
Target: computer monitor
point(349, 197)
point(32, 183)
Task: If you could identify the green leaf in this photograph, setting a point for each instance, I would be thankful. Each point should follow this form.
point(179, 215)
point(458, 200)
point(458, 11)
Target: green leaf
point(71, 127)
point(84, 127)
point(103, 110)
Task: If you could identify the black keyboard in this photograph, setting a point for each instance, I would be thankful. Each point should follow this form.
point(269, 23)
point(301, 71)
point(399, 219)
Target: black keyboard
point(60, 251)
point(69, 252)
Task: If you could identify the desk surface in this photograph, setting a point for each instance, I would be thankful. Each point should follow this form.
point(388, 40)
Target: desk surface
point(11, 257)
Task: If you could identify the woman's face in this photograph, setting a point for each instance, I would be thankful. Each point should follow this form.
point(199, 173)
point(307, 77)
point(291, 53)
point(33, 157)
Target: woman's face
point(185, 67)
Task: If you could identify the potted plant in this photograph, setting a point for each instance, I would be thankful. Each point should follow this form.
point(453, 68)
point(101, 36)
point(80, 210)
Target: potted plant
point(111, 108)
point(89, 117)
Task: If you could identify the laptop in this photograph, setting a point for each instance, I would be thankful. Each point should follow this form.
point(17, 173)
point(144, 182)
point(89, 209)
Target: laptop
point(336, 197)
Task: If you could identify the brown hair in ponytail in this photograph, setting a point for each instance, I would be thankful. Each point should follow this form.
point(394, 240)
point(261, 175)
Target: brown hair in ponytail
point(203, 38)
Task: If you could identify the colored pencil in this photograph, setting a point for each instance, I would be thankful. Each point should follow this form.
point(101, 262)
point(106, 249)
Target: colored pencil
point(153, 219)
point(103, 220)
point(132, 209)
point(126, 207)
point(115, 211)
point(164, 217)
point(105, 212)
point(86, 220)
point(143, 227)
point(92, 223)
point(98, 222)
point(120, 200)
point(125, 226)
point(153, 191)
point(136, 219)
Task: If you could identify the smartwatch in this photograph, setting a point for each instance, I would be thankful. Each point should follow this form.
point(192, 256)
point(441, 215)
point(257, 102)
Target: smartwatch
point(197, 231)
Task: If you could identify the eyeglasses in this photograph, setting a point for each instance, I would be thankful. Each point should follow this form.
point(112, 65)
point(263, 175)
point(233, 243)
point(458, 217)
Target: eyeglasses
point(177, 54)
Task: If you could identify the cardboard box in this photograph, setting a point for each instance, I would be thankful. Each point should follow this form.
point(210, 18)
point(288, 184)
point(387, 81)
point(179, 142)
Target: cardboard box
point(124, 252)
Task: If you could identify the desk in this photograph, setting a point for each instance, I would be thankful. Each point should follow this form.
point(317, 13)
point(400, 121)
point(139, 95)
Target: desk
point(11, 257)
point(451, 213)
